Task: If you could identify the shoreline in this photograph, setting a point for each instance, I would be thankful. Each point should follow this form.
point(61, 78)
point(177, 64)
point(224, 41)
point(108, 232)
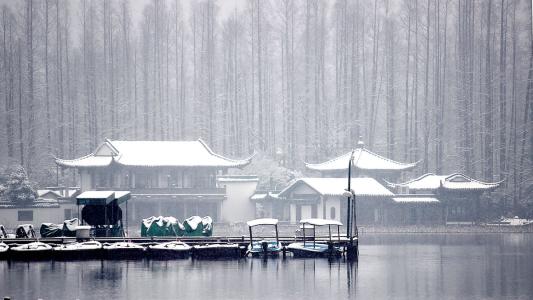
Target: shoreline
point(447, 229)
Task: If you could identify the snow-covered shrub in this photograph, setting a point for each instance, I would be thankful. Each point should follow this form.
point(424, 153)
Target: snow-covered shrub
point(19, 188)
point(272, 175)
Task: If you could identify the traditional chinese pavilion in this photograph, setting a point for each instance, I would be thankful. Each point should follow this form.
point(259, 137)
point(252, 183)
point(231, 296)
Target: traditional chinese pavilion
point(176, 178)
point(322, 197)
point(365, 163)
point(460, 195)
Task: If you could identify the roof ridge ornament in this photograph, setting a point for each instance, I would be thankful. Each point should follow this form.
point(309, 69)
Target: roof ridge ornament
point(360, 143)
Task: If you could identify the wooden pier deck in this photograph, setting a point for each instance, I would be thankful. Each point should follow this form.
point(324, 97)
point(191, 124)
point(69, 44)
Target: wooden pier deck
point(241, 240)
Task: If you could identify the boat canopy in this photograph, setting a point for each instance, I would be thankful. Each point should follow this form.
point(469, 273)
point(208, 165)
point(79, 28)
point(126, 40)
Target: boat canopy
point(265, 221)
point(320, 222)
point(102, 197)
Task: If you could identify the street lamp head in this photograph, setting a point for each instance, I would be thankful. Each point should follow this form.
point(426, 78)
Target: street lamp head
point(348, 193)
point(360, 143)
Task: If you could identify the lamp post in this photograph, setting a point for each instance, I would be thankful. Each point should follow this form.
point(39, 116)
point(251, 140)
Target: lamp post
point(350, 194)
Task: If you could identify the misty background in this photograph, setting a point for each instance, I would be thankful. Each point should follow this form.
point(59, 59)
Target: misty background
point(449, 83)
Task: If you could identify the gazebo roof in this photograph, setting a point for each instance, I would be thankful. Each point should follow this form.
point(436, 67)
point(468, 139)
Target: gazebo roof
point(456, 181)
point(102, 197)
point(153, 154)
point(415, 199)
point(363, 159)
point(361, 186)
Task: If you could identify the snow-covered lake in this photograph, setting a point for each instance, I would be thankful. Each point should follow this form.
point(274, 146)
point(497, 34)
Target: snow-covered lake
point(398, 266)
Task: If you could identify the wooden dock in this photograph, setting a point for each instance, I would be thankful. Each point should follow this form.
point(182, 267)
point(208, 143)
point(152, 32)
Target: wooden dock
point(343, 244)
point(202, 240)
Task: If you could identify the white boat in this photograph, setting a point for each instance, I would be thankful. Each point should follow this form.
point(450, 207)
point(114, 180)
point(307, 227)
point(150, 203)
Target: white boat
point(4, 248)
point(174, 249)
point(31, 251)
point(83, 250)
point(314, 248)
point(124, 250)
point(217, 250)
point(264, 247)
point(516, 221)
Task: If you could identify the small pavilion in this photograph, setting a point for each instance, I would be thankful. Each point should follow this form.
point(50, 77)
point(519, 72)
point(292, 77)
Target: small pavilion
point(365, 164)
point(307, 198)
point(460, 195)
point(101, 209)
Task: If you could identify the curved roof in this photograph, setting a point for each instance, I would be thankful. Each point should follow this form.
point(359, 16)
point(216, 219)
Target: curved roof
point(154, 154)
point(363, 159)
point(455, 181)
point(362, 186)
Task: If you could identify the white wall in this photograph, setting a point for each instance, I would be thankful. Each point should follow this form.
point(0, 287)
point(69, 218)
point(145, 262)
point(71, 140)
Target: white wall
point(293, 214)
point(9, 216)
point(237, 207)
point(336, 203)
point(306, 211)
point(85, 180)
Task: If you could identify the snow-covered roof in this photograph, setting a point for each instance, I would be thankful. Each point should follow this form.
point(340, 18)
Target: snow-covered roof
point(42, 193)
point(456, 181)
point(38, 203)
point(97, 195)
point(153, 154)
point(265, 221)
point(362, 186)
point(258, 196)
point(414, 199)
point(237, 178)
point(320, 222)
point(263, 195)
point(363, 159)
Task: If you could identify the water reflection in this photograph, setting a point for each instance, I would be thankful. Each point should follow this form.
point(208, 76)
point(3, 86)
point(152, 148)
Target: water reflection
point(390, 266)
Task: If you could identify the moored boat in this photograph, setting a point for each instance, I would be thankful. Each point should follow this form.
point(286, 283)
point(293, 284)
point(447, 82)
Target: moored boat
point(82, 250)
point(124, 250)
point(174, 249)
point(217, 250)
point(4, 248)
point(314, 248)
point(265, 247)
point(31, 251)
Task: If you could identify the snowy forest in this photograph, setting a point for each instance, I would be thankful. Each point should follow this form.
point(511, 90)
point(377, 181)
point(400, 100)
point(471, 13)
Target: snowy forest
point(448, 83)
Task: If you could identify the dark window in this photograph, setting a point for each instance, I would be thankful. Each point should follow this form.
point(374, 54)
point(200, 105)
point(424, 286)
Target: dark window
point(332, 213)
point(25, 215)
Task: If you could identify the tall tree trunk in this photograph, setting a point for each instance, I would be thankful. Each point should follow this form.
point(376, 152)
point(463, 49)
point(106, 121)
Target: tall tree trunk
point(426, 95)
point(31, 92)
point(46, 78)
point(503, 91)
point(489, 160)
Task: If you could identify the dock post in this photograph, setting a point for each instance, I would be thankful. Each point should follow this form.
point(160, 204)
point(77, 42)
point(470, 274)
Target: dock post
point(351, 250)
point(284, 251)
point(330, 248)
point(264, 245)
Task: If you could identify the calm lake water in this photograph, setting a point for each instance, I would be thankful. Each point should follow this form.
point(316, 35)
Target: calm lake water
point(391, 266)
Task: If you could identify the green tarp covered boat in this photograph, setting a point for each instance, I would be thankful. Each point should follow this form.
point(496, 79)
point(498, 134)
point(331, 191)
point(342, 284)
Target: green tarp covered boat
point(170, 226)
point(161, 226)
point(67, 229)
point(51, 230)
